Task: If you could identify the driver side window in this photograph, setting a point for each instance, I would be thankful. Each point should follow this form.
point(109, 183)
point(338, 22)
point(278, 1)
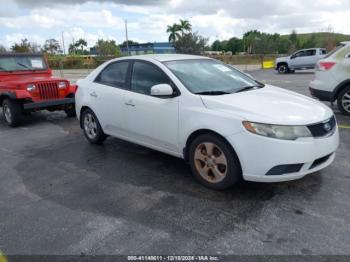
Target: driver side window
point(300, 54)
point(144, 76)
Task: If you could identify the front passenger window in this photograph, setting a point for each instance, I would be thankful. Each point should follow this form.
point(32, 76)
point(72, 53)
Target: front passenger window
point(144, 76)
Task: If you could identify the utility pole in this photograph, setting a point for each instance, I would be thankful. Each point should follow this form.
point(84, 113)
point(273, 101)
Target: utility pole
point(64, 49)
point(126, 36)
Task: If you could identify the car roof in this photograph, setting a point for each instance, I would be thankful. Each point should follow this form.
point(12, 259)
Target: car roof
point(166, 57)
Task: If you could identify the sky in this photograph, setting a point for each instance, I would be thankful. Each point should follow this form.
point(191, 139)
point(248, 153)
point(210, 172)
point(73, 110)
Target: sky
point(38, 20)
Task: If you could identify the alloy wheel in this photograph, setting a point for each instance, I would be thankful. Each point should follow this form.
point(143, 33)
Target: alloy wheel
point(90, 126)
point(346, 101)
point(210, 162)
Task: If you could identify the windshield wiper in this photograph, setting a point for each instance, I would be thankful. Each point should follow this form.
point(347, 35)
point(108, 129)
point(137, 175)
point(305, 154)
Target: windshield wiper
point(246, 88)
point(213, 93)
point(25, 66)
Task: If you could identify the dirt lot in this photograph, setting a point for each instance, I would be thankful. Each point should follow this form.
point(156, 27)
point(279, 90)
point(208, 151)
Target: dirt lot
point(60, 195)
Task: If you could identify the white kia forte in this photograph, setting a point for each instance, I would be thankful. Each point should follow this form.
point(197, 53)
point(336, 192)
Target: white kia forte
point(227, 125)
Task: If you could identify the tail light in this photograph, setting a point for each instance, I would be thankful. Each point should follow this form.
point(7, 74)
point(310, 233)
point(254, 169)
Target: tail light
point(324, 66)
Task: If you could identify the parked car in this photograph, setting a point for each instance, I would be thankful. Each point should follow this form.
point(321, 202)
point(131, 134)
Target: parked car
point(332, 78)
point(301, 59)
point(27, 84)
point(224, 123)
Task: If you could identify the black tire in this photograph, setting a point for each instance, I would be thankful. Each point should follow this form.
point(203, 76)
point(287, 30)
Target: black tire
point(12, 112)
point(96, 136)
point(342, 105)
point(70, 112)
point(282, 68)
point(233, 173)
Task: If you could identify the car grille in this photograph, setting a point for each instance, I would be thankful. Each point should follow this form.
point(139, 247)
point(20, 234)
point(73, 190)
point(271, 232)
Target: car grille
point(48, 90)
point(323, 129)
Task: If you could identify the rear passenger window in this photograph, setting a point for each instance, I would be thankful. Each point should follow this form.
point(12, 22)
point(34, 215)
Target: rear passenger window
point(310, 52)
point(114, 74)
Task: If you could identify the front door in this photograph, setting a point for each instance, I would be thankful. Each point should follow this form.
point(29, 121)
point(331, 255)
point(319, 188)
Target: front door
point(150, 120)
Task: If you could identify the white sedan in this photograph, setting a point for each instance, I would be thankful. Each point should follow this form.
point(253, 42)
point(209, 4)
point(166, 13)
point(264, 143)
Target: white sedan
point(227, 125)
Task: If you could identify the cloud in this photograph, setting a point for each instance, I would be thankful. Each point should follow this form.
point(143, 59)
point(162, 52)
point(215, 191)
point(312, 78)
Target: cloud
point(31, 3)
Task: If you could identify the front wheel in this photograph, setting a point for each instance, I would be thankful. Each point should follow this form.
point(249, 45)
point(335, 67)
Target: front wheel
point(213, 162)
point(12, 112)
point(282, 69)
point(92, 128)
point(344, 101)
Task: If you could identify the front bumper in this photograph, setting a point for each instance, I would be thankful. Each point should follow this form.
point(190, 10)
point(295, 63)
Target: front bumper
point(258, 155)
point(48, 104)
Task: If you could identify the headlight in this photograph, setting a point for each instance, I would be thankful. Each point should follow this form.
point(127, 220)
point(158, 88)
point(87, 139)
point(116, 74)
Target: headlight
point(62, 84)
point(277, 131)
point(31, 87)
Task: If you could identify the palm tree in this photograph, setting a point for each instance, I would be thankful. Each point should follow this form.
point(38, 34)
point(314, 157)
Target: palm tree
point(173, 32)
point(185, 26)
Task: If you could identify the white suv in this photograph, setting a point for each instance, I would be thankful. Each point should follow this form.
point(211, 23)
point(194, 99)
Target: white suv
point(225, 124)
point(332, 78)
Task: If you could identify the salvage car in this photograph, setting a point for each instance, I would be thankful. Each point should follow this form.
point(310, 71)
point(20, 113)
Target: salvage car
point(332, 78)
point(227, 125)
point(27, 85)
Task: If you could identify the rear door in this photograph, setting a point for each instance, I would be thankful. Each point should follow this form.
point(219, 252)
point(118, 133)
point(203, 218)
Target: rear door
point(311, 58)
point(108, 93)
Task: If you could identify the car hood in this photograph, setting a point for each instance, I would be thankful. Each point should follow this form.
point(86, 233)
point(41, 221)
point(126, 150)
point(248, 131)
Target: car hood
point(282, 58)
point(271, 105)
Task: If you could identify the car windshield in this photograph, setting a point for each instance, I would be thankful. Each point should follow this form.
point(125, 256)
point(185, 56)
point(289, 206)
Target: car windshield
point(207, 76)
point(22, 63)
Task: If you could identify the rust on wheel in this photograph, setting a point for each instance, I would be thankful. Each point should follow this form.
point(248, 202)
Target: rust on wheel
point(210, 162)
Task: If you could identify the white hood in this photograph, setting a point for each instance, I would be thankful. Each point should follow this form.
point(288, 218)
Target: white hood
point(270, 105)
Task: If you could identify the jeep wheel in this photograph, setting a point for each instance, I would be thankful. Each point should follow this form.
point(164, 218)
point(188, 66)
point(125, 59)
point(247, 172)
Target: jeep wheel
point(344, 101)
point(12, 112)
point(92, 128)
point(70, 112)
point(282, 69)
point(213, 162)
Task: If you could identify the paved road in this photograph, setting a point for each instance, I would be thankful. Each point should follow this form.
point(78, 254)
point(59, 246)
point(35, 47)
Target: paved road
point(60, 195)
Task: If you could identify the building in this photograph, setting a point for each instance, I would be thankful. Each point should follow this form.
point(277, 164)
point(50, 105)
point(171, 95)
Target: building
point(149, 48)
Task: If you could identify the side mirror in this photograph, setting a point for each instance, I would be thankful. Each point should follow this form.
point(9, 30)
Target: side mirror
point(292, 57)
point(162, 90)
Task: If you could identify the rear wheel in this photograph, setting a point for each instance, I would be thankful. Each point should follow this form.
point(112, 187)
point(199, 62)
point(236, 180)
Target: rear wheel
point(213, 162)
point(12, 112)
point(344, 101)
point(92, 128)
point(282, 69)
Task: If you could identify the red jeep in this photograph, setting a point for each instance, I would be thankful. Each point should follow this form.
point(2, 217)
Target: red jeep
point(27, 85)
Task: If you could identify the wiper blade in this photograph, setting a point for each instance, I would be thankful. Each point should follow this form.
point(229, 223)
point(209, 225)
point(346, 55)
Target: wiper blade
point(212, 93)
point(246, 88)
point(25, 66)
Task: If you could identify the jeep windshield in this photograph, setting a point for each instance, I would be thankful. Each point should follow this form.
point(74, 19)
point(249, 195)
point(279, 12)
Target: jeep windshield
point(22, 63)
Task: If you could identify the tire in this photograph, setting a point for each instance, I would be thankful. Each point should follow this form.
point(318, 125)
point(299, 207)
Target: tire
point(344, 100)
point(92, 128)
point(12, 112)
point(213, 162)
point(282, 69)
point(70, 112)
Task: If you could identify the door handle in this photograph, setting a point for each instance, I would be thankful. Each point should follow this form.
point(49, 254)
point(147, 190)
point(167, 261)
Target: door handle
point(93, 94)
point(130, 103)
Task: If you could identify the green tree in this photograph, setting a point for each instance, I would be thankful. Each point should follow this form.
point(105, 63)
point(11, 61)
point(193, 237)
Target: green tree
point(81, 43)
point(106, 48)
point(216, 46)
point(190, 43)
point(310, 42)
point(234, 45)
point(130, 42)
point(293, 38)
point(173, 31)
point(52, 46)
point(185, 26)
point(23, 47)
